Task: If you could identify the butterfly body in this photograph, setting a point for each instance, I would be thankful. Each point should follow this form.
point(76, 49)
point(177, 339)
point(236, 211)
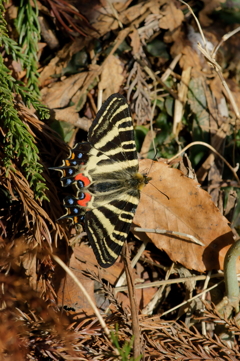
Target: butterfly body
point(105, 173)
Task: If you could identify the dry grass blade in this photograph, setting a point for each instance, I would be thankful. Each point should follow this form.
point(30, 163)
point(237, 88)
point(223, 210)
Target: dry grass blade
point(210, 57)
point(96, 311)
point(137, 344)
point(233, 170)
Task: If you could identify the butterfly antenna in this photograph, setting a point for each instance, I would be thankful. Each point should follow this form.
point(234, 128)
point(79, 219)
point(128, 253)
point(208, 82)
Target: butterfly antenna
point(159, 190)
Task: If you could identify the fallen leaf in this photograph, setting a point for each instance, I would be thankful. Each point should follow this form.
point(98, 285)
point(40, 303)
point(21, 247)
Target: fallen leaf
point(71, 116)
point(69, 294)
point(105, 22)
point(111, 77)
point(183, 207)
point(172, 18)
point(49, 70)
point(190, 58)
point(135, 41)
point(208, 8)
point(87, 261)
point(59, 94)
point(216, 88)
point(143, 297)
point(133, 12)
point(234, 89)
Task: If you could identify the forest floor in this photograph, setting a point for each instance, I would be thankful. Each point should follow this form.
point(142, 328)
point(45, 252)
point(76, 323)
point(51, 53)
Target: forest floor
point(173, 293)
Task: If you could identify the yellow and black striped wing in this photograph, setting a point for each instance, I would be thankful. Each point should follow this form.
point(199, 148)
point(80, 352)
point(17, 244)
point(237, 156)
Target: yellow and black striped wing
point(108, 227)
point(105, 173)
point(112, 131)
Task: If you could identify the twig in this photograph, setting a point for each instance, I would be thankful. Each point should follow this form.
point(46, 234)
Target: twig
point(134, 261)
point(148, 310)
point(204, 331)
point(97, 313)
point(213, 150)
point(134, 308)
point(89, 95)
point(169, 282)
point(210, 57)
point(198, 24)
point(169, 70)
point(170, 233)
point(193, 298)
point(224, 38)
point(114, 13)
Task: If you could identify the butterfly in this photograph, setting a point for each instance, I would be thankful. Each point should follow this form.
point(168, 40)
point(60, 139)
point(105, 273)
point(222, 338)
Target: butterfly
point(105, 173)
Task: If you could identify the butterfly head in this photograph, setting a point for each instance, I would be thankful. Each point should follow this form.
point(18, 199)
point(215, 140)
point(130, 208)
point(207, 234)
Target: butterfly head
point(139, 180)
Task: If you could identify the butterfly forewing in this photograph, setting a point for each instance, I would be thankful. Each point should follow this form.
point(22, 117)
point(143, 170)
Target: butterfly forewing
point(112, 130)
point(105, 173)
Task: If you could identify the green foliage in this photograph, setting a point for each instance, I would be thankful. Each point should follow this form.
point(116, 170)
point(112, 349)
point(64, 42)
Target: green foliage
point(10, 46)
point(29, 96)
point(200, 124)
point(125, 349)
point(158, 48)
point(140, 132)
point(165, 143)
point(64, 129)
point(29, 33)
point(19, 143)
point(78, 62)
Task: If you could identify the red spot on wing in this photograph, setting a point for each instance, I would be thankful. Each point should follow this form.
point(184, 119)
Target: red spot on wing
point(84, 179)
point(83, 202)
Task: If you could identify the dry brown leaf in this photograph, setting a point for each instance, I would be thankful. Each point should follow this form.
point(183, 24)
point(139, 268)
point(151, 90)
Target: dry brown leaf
point(135, 41)
point(69, 293)
point(60, 61)
point(173, 17)
point(105, 22)
point(48, 71)
point(155, 6)
point(147, 143)
point(143, 297)
point(133, 12)
point(234, 88)
point(111, 77)
point(87, 261)
point(190, 58)
point(209, 7)
point(71, 115)
point(183, 207)
point(216, 88)
point(59, 94)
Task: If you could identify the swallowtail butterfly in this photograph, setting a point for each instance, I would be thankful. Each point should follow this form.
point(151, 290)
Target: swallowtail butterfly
point(105, 173)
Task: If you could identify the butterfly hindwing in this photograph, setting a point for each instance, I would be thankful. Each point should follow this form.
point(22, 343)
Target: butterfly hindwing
point(74, 164)
point(108, 228)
